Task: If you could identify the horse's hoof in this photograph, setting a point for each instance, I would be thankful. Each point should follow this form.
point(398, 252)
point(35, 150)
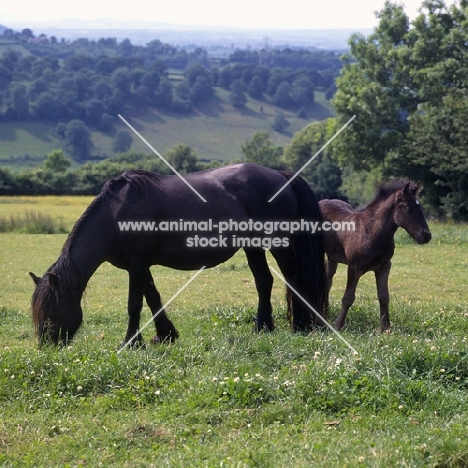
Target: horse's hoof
point(132, 345)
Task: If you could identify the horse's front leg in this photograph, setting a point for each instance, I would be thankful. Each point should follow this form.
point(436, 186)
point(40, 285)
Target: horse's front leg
point(349, 296)
point(138, 277)
point(264, 283)
point(381, 280)
point(165, 330)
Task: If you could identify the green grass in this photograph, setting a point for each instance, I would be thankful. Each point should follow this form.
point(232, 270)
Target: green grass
point(223, 396)
point(215, 130)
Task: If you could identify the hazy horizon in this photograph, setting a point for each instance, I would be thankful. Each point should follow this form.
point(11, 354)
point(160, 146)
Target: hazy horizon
point(298, 14)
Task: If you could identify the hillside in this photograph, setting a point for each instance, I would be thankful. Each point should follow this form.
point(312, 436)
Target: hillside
point(215, 130)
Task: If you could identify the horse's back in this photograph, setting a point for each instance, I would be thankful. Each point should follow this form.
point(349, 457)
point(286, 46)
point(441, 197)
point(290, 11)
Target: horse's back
point(336, 210)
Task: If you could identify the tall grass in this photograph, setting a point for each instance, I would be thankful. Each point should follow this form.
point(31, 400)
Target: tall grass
point(32, 222)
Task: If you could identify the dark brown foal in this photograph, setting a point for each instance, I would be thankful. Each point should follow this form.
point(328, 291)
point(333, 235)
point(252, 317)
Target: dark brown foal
point(363, 239)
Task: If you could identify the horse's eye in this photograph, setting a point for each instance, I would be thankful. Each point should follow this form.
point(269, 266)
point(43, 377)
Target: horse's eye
point(408, 208)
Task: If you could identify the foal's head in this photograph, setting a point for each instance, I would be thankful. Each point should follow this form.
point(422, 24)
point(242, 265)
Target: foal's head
point(409, 215)
point(56, 312)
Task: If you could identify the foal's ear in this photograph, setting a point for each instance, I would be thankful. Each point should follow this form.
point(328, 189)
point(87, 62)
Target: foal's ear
point(35, 278)
point(406, 190)
point(53, 280)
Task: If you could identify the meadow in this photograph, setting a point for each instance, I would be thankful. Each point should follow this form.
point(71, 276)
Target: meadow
point(222, 396)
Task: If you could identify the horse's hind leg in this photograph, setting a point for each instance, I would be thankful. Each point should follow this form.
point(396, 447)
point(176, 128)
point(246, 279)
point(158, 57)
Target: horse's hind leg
point(381, 280)
point(349, 296)
point(330, 266)
point(165, 330)
point(264, 283)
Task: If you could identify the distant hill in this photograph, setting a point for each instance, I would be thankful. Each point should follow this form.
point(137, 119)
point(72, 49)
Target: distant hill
point(140, 33)
point(215, 131)
point(2, 29)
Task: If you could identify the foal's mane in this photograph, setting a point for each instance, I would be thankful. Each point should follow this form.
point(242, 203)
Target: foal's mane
point(387, 188)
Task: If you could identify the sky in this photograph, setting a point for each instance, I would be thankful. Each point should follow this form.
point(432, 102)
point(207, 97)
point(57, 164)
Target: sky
point(257, 14)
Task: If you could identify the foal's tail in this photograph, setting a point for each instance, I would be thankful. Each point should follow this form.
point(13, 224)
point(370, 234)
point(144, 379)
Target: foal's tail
point(309, 277)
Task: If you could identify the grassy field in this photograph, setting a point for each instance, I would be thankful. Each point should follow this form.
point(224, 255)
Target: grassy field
point(223, 396)
point(227, 129)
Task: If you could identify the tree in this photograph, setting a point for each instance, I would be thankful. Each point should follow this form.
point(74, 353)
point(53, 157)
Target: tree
point(280, 123)
point(56, 162)
point(94, 111)
point(183, 159)
point(78, 138)
point(283, 97)
point(261, 150)
point(19, 102)
point(237, 96)
point(122, 142)
point(48, 106)
point(122, 80)
point(323, 172)
point(401, 77)
point(256, 88)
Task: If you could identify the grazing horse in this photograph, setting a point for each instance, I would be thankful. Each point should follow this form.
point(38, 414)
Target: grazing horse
point(237, 193)
point(370, 246)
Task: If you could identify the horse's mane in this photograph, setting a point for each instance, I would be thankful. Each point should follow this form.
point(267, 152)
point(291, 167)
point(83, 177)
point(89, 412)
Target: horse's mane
point(64, 266)
point(137, 178)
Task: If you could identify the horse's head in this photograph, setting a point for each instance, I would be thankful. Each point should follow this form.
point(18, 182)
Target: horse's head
point(409, 215)
point(56, 312)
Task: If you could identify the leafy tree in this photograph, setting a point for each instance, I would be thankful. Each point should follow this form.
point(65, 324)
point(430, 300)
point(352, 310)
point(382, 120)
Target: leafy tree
point(256, 88)
point(402, 77)
point(94, 111)
point(183, 159)
point(47, 107)
point(283, 96)
point(201, 91)
point(56, 162)
point(302, 91)
point(122, 142)
point(261, 150)
point(78, 138)
point(164, 94)
point(280, 123)
point(322, 172)
point(19, 103)
point(237, 96)
point(122, 80)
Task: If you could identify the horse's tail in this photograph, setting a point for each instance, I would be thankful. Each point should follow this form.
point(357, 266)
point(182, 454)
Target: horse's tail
point(309, 277)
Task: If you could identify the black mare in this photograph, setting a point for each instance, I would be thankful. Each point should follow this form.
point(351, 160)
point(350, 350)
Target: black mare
point(238, 192)
point(370, 246)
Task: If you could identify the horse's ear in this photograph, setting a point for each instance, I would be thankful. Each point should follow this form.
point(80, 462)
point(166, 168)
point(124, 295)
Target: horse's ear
point(35, 278)
point(53, 280)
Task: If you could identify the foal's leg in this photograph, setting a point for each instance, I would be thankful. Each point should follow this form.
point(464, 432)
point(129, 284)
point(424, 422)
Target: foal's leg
point(381, 280)
point(349, 296)
point(138, 275)
point(330, 267)
point(264, 283)
point(165, 329)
